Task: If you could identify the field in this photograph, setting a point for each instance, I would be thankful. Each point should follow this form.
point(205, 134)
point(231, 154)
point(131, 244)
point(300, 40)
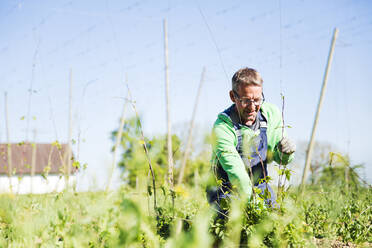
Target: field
point(333, 210)
point(330, 213)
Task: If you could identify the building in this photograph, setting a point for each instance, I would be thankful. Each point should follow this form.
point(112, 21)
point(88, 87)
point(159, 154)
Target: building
point(35, 168)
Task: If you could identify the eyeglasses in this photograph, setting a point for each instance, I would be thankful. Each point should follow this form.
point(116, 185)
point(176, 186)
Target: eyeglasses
point(246, 101)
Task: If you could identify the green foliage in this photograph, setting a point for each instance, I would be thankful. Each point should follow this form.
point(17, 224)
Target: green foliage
point(261, 226)
point(125, 219)
point(135, 164)
point(134, 161)
point(355, 219)
point(336, 213)
point(317, 217)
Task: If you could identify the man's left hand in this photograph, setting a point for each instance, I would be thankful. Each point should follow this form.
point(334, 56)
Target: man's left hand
point(287, 146)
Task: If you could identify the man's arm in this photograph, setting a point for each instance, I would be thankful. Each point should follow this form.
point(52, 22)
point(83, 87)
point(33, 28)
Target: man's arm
point(227, 155)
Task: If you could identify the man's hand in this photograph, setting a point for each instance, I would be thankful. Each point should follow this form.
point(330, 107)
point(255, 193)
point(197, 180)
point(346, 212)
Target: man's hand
point(287, 146)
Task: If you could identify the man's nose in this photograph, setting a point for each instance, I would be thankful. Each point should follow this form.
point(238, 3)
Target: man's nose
point(251, 106)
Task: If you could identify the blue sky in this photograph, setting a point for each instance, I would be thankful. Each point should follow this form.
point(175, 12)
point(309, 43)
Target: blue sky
point(105, 41)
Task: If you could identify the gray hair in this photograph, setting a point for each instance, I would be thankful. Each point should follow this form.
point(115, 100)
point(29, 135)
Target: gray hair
point(246, 76)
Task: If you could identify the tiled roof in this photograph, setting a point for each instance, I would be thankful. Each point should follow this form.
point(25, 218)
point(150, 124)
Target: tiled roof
point(50, 158)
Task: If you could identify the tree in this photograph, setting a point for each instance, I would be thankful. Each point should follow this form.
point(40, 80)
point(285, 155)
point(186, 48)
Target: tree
point(339, 172)
point(319, 160)
point(329, 167)
point(133, 160)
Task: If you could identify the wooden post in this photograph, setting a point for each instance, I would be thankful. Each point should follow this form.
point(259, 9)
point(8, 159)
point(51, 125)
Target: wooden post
point(312, 139)
point(31, 89)
point(191, 128)
point(117, 143)
point(33, 161)
point(9, 145)
point(80, 118)
point(69, 142)
point(169, 133)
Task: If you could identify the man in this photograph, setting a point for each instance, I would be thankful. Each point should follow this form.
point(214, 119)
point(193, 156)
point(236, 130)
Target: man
point(248, 136)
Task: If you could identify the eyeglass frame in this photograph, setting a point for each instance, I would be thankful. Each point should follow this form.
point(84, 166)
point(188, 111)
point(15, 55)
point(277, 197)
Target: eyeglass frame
point(250, 100)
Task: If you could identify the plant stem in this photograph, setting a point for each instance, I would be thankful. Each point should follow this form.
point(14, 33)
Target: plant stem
point(280, 153)
point(144, 147)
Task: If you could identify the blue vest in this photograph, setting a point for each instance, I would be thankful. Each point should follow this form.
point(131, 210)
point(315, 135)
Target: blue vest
point(257, 161)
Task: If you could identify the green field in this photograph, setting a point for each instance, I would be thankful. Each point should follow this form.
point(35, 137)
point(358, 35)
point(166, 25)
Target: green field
point(126, 218)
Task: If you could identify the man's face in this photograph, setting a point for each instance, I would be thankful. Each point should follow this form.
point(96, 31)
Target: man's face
point(248, 100)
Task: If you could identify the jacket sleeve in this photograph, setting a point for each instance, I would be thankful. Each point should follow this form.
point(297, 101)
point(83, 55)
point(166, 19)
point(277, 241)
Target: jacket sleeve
point(225, 152)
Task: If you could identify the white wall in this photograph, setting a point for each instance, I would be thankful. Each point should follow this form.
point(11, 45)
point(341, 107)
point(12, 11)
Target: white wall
point(36, 185)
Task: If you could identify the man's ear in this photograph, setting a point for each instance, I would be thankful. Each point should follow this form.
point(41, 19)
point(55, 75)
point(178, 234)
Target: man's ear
point(232, 96)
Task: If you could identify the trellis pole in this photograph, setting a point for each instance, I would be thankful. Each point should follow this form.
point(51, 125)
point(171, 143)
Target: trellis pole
point(117, 142)
point(9, 145)
point(69, 142)
point(33, 161)
point(191, 128)
point(169, 133)
point(312, 139)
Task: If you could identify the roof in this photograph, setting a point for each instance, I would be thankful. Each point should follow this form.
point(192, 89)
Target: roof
point(49, 159)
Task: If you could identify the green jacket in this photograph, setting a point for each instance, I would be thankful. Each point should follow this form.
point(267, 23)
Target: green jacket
point(225, 142)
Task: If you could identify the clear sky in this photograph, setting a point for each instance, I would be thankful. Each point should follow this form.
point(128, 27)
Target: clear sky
point(105, 41)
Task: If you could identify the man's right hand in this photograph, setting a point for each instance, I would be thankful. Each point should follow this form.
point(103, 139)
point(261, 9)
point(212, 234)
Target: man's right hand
point(287, 146)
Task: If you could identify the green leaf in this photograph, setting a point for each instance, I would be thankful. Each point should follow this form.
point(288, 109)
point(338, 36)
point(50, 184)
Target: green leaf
point(288, 174)
point(149, 191)
point(76, 164)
